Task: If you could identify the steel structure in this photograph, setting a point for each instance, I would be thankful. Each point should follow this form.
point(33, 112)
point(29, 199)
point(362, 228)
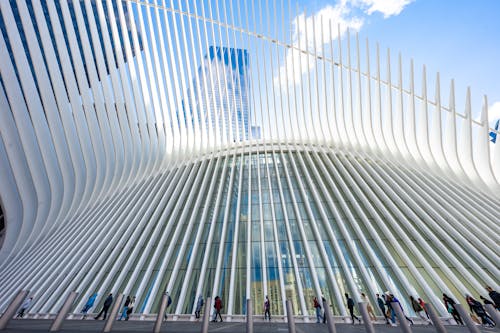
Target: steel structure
point(112, 183)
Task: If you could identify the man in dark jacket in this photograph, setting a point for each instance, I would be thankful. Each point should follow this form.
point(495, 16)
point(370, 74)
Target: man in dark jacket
point(105, 307)
point(495, 297)
point(350, 306)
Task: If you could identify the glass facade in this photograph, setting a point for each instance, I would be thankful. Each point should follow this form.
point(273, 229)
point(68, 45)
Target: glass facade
point(280, 223)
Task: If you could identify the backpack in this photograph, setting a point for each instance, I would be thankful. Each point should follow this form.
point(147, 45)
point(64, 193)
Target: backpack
point(416, 306)
point(350, 303)
point(169, 301)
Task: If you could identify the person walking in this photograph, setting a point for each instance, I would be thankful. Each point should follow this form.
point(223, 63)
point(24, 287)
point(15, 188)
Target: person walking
point(323, 301)
point(381, 306)
point(390, 310)
point(26, 304)
point(169, 301)
point(419, 310)
point(395, 300)
point(478, 309)
point(495, 297)
point(199, 306)
point(267, 309)
point(125, 308)
point(105, 307)
point(218, 306)
point(130, 308)
point(350, 306)
point(449, 303)
point(422, 304)
point(317, 307)
point(369, 308)
point(89, 305)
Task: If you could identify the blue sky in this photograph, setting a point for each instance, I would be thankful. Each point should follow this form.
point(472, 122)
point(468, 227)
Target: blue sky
point(459, 38)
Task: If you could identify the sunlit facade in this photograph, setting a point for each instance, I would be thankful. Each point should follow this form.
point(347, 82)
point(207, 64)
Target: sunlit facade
point(152, 146)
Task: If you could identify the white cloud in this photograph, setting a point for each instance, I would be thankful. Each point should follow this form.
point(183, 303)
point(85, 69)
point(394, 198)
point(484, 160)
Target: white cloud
point(312, 33)
point(386, 7)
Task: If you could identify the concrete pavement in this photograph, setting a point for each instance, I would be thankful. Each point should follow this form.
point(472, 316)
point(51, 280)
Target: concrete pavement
point(42, 325)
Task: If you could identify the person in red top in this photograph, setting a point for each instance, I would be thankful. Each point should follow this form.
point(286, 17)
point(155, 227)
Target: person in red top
point(317, 306)
point(422, 304)
point(218, 306)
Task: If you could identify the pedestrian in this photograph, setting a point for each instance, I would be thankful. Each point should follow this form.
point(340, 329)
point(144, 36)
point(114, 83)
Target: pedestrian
point(419, 310)
point(267, 309)
point(395, 300)
point(199, 306)
point(422, 304)
point(89, 305)
point(381, 306)
point(369, 308)
point(450, 306)
point(390, 310)
point(169, 301)
point(130, 308)
point(26, 304)
point(317, 307)
point(495, 297)
point(350, 306)
point(125, 307)
point(105, 307)
point(477, 308)
point(218, 306)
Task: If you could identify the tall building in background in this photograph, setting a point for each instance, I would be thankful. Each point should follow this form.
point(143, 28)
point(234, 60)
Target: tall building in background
point(88, 22)
point(104, 189)
point(222, 93)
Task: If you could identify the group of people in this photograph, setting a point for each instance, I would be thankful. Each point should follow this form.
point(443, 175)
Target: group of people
point(218, 306)
point(385, 303)
point(476, 308)
point(128, 307)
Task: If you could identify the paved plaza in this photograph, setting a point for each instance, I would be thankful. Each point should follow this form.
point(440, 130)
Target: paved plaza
point(41, 325)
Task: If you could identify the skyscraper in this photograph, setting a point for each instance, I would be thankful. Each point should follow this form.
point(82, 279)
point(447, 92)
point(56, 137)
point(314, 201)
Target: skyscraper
point(222, 94)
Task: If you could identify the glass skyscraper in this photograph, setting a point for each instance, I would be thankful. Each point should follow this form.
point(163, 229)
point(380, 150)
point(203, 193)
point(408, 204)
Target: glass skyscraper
point(221, 94)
